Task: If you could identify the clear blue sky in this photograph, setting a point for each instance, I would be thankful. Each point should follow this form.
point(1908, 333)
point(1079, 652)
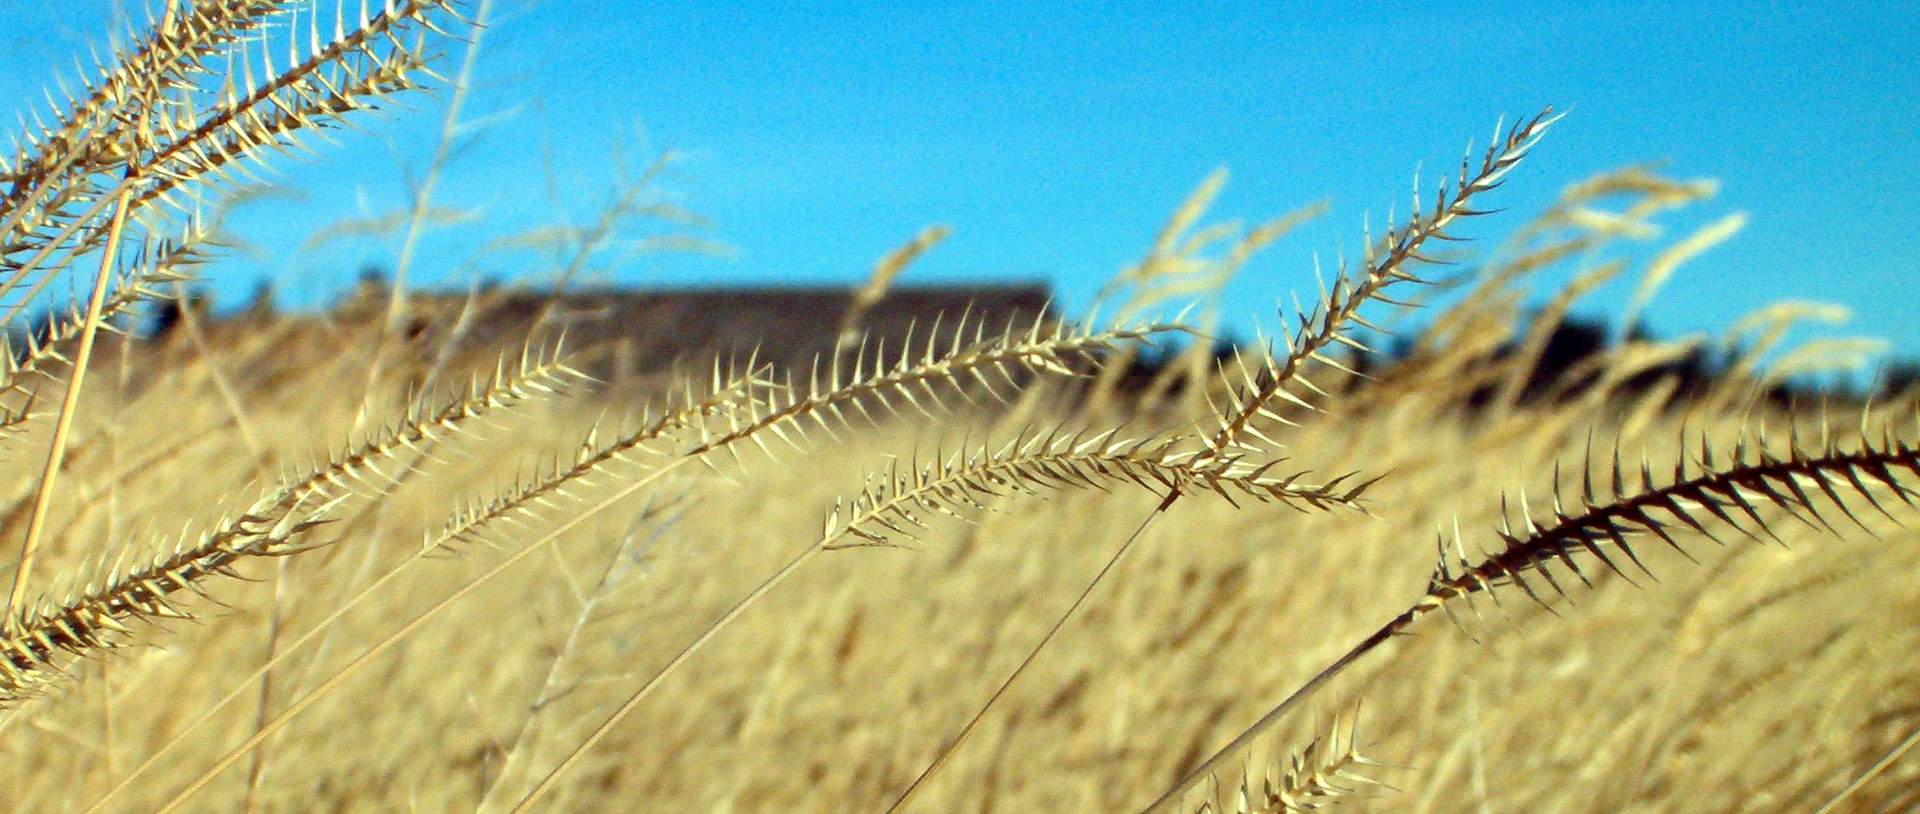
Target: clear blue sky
point(1054, 139)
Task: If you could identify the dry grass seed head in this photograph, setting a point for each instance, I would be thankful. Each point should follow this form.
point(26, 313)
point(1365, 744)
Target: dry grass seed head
point(96, 615)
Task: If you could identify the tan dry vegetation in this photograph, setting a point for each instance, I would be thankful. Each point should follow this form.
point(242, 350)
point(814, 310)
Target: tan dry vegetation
point(759, 588)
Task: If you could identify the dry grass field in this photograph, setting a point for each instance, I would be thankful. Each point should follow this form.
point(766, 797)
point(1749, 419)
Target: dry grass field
point(297, 565)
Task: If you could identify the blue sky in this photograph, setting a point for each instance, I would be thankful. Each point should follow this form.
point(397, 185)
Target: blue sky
point(1055, 139)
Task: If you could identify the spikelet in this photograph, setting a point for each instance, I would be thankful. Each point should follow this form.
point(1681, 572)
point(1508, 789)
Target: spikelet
point(641, 449)
point(355, 70)
point(156, 264)
point(1320, 775)
point(1261, 390)
point(152, 125)
point(895, 504)
point(925, 380)
point(924, 377)
point(1700, 494)
point(173, 56)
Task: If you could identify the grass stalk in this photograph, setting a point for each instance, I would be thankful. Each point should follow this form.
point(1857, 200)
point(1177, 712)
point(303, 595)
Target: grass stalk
point(69, 409)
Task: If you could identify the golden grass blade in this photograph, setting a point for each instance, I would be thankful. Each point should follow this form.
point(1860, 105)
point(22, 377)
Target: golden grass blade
point(884, 272)
point(1880, 767)
point(952, 745)
point(422, 208)
point(1669, 261)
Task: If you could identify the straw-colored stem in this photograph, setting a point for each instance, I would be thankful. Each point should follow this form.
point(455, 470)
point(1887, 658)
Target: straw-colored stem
point(56, 452)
